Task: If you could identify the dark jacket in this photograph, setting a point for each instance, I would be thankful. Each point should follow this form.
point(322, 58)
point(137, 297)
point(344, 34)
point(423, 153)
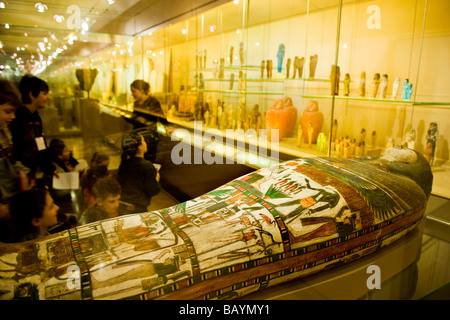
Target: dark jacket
point(137, 177)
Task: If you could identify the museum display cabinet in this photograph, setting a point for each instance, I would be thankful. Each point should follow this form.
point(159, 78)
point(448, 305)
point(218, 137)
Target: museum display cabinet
point(335, 77)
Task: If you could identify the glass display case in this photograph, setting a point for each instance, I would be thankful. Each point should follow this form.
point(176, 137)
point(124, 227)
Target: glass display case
point(335, 77)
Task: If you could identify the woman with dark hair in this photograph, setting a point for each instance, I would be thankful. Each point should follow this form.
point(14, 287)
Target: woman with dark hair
point(137, 176)
point(147, 112)
point(32, 213)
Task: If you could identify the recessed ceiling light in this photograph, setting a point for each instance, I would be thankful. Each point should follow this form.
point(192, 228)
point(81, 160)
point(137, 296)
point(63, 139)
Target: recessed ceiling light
point(41, 7)
point(58, 18)
point(3, 4)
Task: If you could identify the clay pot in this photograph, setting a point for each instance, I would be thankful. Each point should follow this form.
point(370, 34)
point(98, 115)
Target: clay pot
point(276, 118)
point(311, 115)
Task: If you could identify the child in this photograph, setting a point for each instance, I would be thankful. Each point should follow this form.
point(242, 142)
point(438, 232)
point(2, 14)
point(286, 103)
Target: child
point(33, 212)
point(98, 169)
point(11, 171)
point(138, 177)
point(106, 192)
point(26, 129)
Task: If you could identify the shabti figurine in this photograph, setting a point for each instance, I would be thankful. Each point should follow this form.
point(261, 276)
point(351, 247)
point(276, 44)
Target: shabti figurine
point(362, 84)
point(221, 68)
point(288, 67)
point(263, 67)
point(383, 86)
point(334, 79)
point(334, 130)
point(231, 55)
point(254, 119)
point(204, 58)
point(321, 142)
point(430, 148)
point(410, 140)
point(298, 67)
point(231, 81)
point(395, 87)
point(280, 56)
point(375, 85)
point(241, 53)
point(407, 90)
point(269, 69)
point(312, 65)
point(374, 139)
point(347, 84)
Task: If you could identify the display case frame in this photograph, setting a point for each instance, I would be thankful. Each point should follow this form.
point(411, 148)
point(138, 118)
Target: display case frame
point(405, 40)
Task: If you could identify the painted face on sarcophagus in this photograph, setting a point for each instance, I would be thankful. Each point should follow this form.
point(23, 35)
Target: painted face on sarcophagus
point(272, 225)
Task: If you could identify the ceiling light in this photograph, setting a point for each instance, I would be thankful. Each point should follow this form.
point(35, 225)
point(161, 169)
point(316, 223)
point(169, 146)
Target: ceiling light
point(2, 4)
point(6, 25)
point(41, 7)
point(58, 18)
point(183, 31)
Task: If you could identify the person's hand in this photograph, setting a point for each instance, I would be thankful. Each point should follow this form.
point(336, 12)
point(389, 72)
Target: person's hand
point(56, 173)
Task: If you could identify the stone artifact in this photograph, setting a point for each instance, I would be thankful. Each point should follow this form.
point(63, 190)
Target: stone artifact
point(334, 79)
point(231, 81)
point(312, 115)
point(280, 56)
point(362, 84)
point(347, 84)
point(264, 228)
point(312, 65)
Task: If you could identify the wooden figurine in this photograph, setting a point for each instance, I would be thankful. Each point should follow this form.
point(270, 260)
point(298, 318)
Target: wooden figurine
point(254, 119)
point(321, 142)
point(269, 69)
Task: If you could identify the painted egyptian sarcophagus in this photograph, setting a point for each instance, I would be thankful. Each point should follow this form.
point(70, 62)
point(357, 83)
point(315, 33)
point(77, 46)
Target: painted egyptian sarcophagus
point(267, 227)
